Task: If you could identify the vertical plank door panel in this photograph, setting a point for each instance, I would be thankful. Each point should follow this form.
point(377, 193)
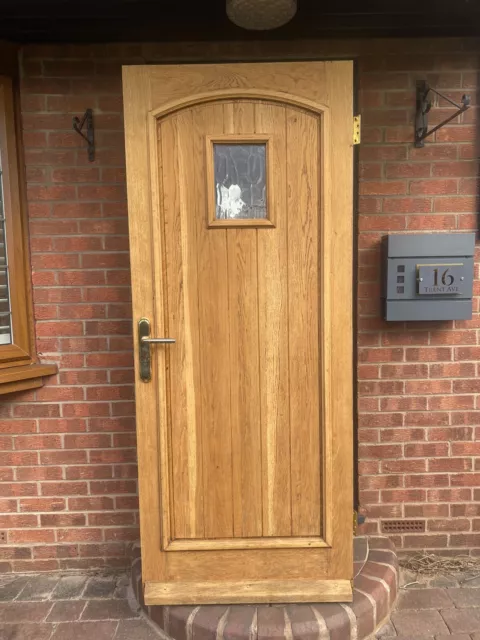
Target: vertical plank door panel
point(180, 212)
point(213, 275)
point(243, 322)
point(303, 313)
point(273, 336)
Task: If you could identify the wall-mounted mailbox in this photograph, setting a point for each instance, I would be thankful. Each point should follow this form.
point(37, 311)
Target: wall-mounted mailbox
point(429, 276)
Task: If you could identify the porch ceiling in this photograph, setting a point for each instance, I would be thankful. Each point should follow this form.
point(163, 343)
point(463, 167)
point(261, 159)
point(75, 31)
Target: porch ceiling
point(169, 20)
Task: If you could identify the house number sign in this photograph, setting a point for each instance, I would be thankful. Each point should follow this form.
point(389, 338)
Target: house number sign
point(440, 279)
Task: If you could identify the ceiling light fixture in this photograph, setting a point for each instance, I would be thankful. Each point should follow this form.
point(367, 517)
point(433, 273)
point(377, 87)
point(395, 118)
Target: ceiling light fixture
point(261, 15)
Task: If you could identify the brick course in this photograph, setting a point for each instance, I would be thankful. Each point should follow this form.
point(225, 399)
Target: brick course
point(68, 491)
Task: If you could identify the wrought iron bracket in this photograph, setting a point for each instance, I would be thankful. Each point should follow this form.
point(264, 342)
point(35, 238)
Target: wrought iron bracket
point(89, 137)
point(424, 104)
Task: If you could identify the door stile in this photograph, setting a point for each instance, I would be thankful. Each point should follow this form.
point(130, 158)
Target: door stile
point(339, 308)
point(326, 322)
point(139, 187)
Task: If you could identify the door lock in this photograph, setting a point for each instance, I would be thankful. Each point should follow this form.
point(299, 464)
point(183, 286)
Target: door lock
point(144, 342)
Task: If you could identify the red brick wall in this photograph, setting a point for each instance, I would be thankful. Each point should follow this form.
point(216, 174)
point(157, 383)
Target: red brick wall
point(419, 433)
point(69, 448)
point(68, 496)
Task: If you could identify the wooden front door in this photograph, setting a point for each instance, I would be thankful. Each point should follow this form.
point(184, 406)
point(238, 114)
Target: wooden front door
point(240, 208)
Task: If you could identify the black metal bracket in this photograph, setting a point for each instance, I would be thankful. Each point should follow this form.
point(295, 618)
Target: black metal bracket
point(424, 104)
point(89, 138)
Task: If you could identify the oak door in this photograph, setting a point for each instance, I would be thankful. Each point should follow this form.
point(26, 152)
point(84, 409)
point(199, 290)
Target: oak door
point(240, 208)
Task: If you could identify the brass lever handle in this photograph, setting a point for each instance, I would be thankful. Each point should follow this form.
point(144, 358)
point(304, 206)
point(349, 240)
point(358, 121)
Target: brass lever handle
point(144, 342)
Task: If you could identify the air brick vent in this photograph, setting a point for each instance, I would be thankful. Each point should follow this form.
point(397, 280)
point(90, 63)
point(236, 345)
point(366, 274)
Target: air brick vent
point(403, 526)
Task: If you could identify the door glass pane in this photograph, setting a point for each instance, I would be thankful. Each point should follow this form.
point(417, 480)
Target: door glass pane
point(240, 181)
point(5, 310)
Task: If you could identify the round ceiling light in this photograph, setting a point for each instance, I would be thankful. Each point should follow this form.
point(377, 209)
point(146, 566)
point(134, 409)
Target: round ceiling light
point(260, 15)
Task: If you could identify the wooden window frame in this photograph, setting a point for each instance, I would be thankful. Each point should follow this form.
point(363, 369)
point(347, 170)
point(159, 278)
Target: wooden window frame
point(232, 138)
point(19, 366)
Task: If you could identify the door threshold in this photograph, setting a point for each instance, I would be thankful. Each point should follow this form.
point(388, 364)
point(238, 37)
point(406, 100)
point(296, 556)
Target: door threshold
point(266, 591)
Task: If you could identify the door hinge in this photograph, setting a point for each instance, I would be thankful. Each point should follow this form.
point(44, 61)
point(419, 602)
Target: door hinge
point(357, 121)
point(355, 522)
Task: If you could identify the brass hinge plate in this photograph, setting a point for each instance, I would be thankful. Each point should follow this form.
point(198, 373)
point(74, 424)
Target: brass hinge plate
point(357, 121)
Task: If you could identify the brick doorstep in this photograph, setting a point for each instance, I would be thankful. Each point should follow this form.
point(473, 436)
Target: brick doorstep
point(375, 589)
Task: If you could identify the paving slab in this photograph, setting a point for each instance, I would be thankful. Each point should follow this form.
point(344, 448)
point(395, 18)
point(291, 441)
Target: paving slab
point(462, 620)
point(424, 599)
point(121, 587)
point(38, 588)
point(135, 630)
point(25, 631)
point(25, 612)
point(407, 577)
point(69, 587)
point(444, 582)
point(11, 589)
point(419, 623)
point(471, 580)
point(85, 630)
point(66, 611)
point(464, 598)
point(100, 587)
point(108, 610)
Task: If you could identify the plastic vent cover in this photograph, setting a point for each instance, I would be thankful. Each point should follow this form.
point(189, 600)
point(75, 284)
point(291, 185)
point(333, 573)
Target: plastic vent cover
point(403, 526)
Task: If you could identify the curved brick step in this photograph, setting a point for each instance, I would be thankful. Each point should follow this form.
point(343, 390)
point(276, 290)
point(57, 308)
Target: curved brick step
point(375, 589)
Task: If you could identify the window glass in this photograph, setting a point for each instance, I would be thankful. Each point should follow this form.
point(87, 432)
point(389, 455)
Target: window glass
point(240, 181)
point(5, 310)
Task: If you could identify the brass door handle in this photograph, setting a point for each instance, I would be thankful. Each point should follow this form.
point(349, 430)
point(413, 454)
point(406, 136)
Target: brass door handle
point(144, 342)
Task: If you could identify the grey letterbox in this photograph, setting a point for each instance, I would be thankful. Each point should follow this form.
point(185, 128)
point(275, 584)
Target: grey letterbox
point(429, 276)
